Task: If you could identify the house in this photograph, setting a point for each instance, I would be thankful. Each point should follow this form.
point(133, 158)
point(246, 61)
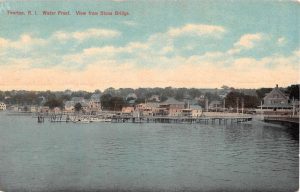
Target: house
point(94, 103)
point(155, 109)
point(127, 110)
point(172, 107)
point(33, 109)
point(154, 98)
point(196, 110)
point(276, 99)
point(69, 106)
point(148, 109)
point(85, 106)
point(2, 106)
point(14, 108)
point(44, 109)
point(57, 110)
point(192, 111)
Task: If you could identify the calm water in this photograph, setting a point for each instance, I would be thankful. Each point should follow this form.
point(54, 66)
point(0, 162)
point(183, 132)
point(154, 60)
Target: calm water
point(150, 157)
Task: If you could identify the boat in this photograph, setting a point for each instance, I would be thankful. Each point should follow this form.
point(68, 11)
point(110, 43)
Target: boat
point(82, 121)
point(95, 119)
point(100, 119)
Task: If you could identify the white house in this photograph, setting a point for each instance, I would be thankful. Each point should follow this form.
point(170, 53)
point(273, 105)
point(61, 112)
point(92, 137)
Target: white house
point(2, 106)
point(196, 110)
point(69, 106)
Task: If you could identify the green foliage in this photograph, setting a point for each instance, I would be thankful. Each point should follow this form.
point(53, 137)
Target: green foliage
point(212, 96)
point(78, 107)
point(56, 98)
point(105, 101)
point(53, 102)
point(116, 103)
point(261, 93)
point(293, 91)
point(112, 103)
point(233, 98)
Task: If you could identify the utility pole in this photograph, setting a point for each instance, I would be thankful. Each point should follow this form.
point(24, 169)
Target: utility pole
point(237, 105)
point(261, 111)
point(293, 106)
point(242, 105)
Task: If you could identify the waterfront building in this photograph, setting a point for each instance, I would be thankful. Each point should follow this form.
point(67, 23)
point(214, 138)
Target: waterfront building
point(57, 110)
point(127, 110)
point(192, 111)
point(69, 106)
point(2, 106)
point(172, 107)
point(44, 109)
point(85, 106)
point(95, 103)
point(148, 109)
point(275, 100)
point(33, 109)
point(196, 110)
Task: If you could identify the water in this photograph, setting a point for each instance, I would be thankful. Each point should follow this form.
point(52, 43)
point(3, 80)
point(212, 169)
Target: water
point(146, 157)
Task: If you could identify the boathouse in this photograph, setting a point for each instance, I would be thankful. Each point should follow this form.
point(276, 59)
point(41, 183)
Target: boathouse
point(172, 106)
point(275, 100)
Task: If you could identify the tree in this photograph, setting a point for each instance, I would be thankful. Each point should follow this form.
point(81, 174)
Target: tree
point(78, 107)
point(261, 93)
point(225, 87)
point(293, 91)
point(105, 101)
point(52, 103)
point(194, 92)
point(249, 100)
point(116, 103)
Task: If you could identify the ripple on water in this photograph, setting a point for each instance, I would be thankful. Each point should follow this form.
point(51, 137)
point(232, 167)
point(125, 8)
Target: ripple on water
point(146, 156)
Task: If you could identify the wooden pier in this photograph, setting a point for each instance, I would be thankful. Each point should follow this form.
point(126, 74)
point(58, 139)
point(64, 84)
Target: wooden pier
point(190, 120)
point(150, 119)
point(283, 120)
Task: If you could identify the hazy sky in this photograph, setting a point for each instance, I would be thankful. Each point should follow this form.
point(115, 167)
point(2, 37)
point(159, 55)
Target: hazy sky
point(203, 44)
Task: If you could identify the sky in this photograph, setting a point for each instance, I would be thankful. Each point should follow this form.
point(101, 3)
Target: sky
point(160, 43)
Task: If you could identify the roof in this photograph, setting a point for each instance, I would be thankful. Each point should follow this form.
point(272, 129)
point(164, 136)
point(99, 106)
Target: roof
point(172, 101)
point(152, 105)
point(276, 91)
point(197, 107)
point(95, 97)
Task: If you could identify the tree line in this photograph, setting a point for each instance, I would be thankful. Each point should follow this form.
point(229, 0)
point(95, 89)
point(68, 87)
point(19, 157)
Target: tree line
point(114, 99)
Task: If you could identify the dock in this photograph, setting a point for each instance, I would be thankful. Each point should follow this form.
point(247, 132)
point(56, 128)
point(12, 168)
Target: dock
point(283, 120)
point(121, 118)
point(180, 119)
